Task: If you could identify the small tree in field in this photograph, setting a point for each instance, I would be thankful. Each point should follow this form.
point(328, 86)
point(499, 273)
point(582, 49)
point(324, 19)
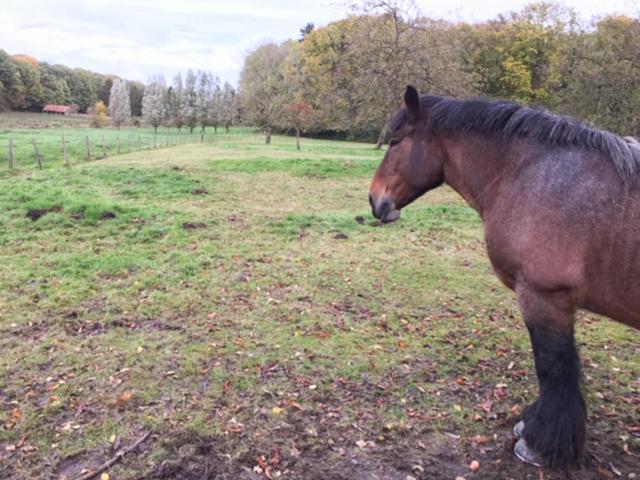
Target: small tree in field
point(298, 115)
point(119, 103)
point(100, 114)
point(153, 103)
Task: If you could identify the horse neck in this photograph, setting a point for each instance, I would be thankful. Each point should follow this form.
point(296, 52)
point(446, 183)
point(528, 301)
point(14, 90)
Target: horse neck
point(474, 167)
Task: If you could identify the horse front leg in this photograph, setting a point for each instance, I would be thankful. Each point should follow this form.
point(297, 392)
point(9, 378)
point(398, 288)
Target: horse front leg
point(554, 426)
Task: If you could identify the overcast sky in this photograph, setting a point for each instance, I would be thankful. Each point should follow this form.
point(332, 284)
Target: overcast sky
point(136, 39)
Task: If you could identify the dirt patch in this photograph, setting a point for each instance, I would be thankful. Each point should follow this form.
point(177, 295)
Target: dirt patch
point(360, 219)
point(73, 466)
point(341, 236)
point(199, 191)
point(107, 215)
point(193, 225)
point(422, 456)
point(78, 215)
point(35, 213)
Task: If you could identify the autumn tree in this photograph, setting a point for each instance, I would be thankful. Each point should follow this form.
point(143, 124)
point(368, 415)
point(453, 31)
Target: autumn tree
point(521, 56)
point(262, 87)
point(119, 103)
point(100, 114)
point(602, 82)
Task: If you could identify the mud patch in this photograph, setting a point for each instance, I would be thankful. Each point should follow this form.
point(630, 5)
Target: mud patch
point(199, 191)
point(107, 215)
point(193, 225)
point(71, 467)
point(35, 213)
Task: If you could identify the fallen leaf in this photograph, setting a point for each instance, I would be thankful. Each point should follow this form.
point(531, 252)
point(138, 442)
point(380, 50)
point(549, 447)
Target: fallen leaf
point(481, 439)
point(105, 476)
point(605, 473)
point(474, 465)
point(275, 457)
point(124, 398)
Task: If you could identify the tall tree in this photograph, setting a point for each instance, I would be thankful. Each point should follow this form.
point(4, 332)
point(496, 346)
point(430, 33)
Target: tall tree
point(262, 85)
point(228, 106)
point(189, 101)
point(154, 103)
point(175, 96)
point(119, 103)
point(136, 94)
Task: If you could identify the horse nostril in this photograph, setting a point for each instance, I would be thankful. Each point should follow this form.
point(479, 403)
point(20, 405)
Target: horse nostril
point(384, 206)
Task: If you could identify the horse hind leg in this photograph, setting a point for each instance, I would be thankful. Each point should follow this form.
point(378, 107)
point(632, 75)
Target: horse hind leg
point(554, 425)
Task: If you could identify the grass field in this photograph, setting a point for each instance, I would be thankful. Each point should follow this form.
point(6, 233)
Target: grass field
point(49, 131)
point(239, 302)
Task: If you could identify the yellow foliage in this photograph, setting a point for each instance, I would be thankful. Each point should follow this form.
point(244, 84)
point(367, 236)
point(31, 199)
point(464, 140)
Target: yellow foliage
point(100, 115)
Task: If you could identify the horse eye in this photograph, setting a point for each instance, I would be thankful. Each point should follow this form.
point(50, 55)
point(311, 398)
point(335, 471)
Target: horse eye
point(393, 141)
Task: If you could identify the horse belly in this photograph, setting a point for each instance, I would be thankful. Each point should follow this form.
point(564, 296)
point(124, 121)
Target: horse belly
point(616, 294)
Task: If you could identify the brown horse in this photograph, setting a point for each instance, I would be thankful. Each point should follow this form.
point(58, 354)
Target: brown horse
point(560, 203)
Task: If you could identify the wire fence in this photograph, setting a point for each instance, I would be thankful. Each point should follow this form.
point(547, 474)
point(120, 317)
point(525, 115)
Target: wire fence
point(38, 148)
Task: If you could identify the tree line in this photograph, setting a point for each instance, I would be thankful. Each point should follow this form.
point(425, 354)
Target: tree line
point(345, 79)
point(198, 101)
point(28, 85)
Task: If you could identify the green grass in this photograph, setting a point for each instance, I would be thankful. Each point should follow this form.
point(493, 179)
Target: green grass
point(220, 289)
point(48, 131)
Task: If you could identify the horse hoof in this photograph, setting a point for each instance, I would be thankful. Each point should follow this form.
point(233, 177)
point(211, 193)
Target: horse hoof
point(518, 430)
point(526, 454)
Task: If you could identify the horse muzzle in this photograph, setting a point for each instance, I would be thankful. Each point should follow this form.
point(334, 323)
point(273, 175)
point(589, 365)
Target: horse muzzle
point(384, 209)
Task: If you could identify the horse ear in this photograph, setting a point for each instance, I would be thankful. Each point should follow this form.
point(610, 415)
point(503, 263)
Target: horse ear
point(412, 102)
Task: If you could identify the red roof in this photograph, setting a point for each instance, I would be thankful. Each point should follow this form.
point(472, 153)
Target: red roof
point(56, 108)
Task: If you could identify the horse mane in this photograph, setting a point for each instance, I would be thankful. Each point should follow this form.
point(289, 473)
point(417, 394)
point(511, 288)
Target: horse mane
point(510, 120)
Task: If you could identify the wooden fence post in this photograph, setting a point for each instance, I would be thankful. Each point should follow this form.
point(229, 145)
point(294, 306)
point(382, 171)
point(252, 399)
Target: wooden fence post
point(104, 149)
point(11, 163)
point(65, 152)
point(118, 143)
point(37, 152)
point(88, 147)
point(155, 140)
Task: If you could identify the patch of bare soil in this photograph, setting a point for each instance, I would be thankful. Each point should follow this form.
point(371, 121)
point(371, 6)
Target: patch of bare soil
point(35, 213)
point(193, 225)
point(294, 452)
point(107, 215)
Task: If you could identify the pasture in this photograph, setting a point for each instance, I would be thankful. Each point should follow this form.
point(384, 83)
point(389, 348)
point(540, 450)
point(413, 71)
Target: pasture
point(239, 302)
